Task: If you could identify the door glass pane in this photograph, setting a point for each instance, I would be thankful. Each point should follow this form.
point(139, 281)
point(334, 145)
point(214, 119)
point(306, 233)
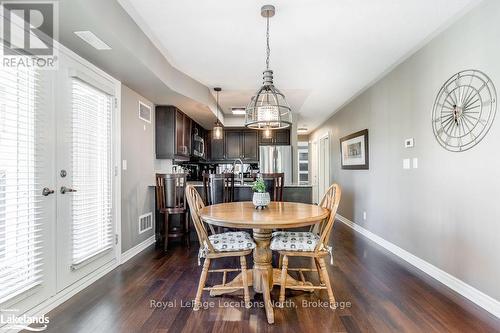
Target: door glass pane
point(20, 208)
point(303, 166)
point(92, 171)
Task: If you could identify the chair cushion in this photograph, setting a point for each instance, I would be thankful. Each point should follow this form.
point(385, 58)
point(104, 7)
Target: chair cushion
point(294, 241)
point(232, 241)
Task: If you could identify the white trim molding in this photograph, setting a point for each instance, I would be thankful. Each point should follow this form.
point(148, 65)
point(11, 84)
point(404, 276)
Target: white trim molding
point(130, 253)
point(481, 299)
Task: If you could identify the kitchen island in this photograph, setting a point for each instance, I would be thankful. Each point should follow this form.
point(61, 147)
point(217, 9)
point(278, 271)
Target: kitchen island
point(243, 192)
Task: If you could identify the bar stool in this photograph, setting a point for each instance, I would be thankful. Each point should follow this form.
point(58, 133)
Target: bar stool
point(170, 200)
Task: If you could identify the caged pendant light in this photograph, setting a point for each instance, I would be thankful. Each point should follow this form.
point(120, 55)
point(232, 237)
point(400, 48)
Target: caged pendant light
point(217, 132)
point(268, 109)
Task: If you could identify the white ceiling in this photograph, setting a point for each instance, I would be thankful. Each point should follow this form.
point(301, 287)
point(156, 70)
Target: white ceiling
point(323, 52)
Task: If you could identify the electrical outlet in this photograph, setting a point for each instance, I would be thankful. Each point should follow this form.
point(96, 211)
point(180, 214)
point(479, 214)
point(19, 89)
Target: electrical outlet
point(406, 163)
point(364, 216)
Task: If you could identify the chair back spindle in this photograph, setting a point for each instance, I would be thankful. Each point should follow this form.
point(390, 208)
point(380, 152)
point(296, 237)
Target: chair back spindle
point(218, 188)
point(170, 189)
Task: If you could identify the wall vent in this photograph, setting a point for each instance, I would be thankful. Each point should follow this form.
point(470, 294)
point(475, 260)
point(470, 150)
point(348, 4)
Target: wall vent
point(145, 222)
point(144, 112)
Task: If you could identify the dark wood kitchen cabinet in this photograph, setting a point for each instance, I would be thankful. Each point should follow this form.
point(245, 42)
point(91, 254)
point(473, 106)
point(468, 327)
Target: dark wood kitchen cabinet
point(241, 144)
point(187, 128)
point(278, 137)
point(216, 148)
point(250, 146)
point(173, 133)
point(233, 145)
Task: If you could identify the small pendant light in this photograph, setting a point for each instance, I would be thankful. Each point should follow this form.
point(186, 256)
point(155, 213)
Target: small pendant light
point(218, 131)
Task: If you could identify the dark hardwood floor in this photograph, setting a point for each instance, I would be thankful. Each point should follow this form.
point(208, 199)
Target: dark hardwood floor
point(385, 294)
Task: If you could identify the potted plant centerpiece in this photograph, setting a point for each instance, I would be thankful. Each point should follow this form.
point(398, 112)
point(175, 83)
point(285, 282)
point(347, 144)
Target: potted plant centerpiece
point(261, 198)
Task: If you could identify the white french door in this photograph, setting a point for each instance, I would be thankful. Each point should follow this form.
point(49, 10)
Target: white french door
point(85, 173)
point(27, 203)
point(57, 180)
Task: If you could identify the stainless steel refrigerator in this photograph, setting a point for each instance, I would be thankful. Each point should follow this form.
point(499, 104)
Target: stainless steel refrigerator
point(276, 159)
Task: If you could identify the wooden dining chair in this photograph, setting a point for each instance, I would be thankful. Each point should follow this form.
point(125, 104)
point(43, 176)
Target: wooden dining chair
point(274, 184)
point(313, 244)
point(218, 188)
point(223, 245)
point(170, 200)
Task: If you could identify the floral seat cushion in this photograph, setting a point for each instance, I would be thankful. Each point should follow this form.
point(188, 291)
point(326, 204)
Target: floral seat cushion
point(294, 241)
point(232, 241)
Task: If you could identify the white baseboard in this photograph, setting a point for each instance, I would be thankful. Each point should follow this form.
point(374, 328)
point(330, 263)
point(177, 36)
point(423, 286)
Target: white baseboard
point(130, 253)
point(486, 302)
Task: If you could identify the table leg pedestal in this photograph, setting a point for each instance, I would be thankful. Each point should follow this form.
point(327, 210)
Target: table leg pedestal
point(263, 269)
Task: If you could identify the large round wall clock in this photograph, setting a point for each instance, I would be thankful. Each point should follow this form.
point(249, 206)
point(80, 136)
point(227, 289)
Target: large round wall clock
point(464, 110)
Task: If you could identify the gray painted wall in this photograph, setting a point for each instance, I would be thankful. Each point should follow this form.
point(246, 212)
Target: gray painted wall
point(447, 211)
point(138, 150)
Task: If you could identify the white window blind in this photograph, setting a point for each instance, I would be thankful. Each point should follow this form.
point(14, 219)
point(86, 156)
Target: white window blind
point(20, 190)
point(92, 228)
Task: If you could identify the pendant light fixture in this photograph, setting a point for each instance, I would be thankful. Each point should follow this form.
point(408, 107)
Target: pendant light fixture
point(218, 131)
point(268, 109)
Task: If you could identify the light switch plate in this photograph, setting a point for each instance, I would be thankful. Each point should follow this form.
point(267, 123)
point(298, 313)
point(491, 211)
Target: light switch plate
point(409, 143)
point(124, 165)
point(415, 163)
point(406, 163)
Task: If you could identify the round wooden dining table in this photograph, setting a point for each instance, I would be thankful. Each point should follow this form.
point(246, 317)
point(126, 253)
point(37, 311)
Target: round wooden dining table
point(278, 215)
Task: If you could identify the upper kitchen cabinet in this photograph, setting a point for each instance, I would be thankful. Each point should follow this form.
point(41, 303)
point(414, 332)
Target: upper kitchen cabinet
point(241, 144)
point(173, 133)
point(278, 137)
point(216, 148)
point(233, 145)
point(250, 146)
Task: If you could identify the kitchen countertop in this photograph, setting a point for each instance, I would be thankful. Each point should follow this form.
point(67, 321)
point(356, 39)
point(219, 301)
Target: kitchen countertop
point(200, 183)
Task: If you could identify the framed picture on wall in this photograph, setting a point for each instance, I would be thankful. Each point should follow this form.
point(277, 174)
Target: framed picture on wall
point(354, 151)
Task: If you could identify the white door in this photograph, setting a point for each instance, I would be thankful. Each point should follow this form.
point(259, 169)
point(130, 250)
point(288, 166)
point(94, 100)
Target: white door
point(85, 172)
point(27, 211)
point(324, 166)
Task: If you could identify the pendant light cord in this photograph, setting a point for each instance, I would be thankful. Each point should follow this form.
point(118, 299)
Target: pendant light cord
point(217, 102)
point(268, 49)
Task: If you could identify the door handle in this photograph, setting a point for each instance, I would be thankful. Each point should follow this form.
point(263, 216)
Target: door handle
point(47, 191)
point(65, 189)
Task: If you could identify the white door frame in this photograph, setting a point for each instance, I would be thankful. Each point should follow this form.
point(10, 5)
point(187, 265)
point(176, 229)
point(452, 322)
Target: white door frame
point(323, 164)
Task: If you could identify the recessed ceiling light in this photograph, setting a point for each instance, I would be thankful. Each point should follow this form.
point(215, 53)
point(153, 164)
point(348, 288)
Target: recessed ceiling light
point(93, 40)
point(238, 111)
point(302, 130)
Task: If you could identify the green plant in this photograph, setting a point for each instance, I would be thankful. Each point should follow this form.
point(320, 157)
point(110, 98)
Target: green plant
point(259, 186)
